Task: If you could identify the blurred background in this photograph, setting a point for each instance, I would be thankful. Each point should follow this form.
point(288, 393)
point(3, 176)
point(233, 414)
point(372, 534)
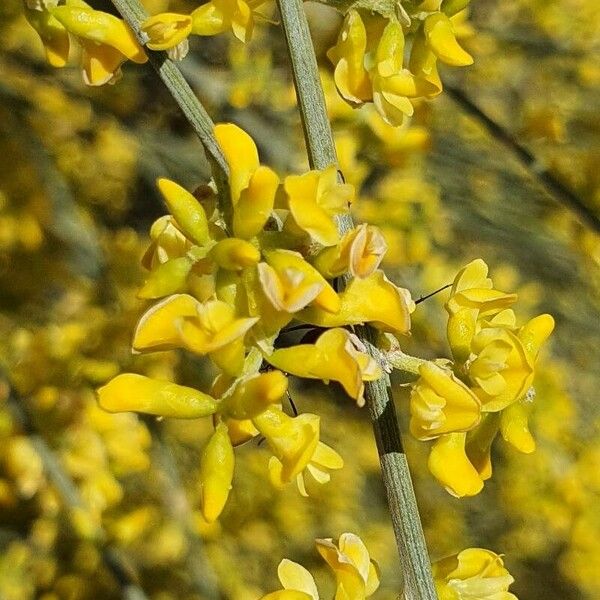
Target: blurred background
point(94, 505)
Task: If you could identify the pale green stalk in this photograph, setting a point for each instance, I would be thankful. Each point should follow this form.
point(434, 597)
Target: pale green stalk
point(414, 559)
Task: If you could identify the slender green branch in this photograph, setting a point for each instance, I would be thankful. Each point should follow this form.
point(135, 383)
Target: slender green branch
point(412, 549)
point(134, 14)
point(117, 565)
point(552, 185)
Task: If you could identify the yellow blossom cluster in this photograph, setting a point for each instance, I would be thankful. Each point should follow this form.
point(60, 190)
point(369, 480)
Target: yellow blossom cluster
point(370, 62)
point(463, 404)
point(228, 291)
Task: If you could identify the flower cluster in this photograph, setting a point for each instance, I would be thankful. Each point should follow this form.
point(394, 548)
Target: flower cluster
point(227, 286)
point(462, 404)
point(357, 576)
point(106, 41)
point(370, 63)
point(473, 574)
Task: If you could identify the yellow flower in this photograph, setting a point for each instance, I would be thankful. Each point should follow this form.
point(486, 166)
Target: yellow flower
point(209, 327)
point(350, 76)
point(290, 283)
point(167, 242)
point(216, 473)
point(440, 403)
point(440, 37)
point(473, 289)
point(107, 41)
point(129, 392)
point(449, 464)
point(296, 447)
point(252, 186)
point(393, 85)
point(357, 576)
point(472, 297)
point(374, 299)
point(501, 364)
point(473, 574)
point(335, 357)
point(297, 582)
point(360, 252)
point(252, 395)
point(53, 34)
point(514, 426)
point(314, 200)
point(234, 254)
point(218, 16)
point(168, 30)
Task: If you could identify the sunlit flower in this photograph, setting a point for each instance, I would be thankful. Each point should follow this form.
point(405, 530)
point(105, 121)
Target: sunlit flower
point(167, 31)
point(314, 200)
point(350, 76)
point(106, 40)
point(296, 447)
point(374, 299)
point(251, 395)
point(473, 574)
point(393, 85)
point(297, 582)
point(502, 360)
point(357, 576)
point(449, 464)
point(440, 37)
point(440, 403)
point(359, 252)
point(217, 16)
point(290, 283)
point(130, 392)
point(216, 473)
point(333, 357)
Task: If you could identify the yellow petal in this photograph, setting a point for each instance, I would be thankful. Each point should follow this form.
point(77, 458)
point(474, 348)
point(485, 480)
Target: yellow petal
point(158, 327)
point(101, 64)
point(167, 278)
point(514, 427)
point(534, 333)
point(295, 577)
point(166, 30)
point(252, 395)
point(241, 156)
point(440, 37)
point(130, 392)
point(53, 34)
point(208, 19)
point(235, 254)
point(230, 358)
point(255, 204)
point(186, 210)
point(449, 464)
point(373, 299)
point(216, 473)
point(102, 28)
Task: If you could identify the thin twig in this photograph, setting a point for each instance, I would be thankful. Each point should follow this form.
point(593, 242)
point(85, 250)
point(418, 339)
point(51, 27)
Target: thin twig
point(552, 185)
point(401, 499)
point(120, 568)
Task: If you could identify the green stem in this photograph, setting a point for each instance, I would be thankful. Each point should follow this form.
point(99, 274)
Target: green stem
point(134, 14)
point(414, 559)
